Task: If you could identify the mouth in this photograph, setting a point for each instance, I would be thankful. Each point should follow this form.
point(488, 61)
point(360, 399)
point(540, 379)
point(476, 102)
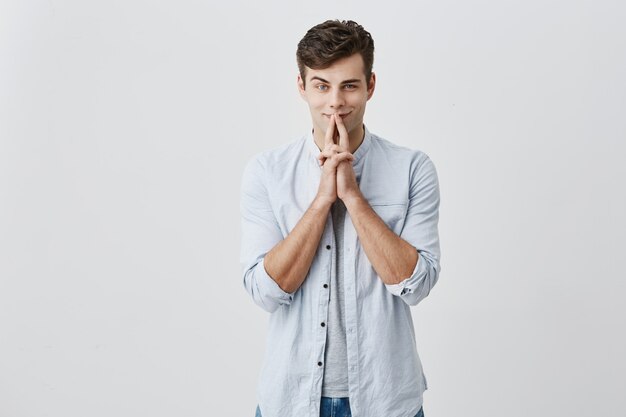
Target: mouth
point(342, 115)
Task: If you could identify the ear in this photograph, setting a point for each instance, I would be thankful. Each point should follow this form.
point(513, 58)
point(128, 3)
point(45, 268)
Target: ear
point(372, 86)
point(301, 87)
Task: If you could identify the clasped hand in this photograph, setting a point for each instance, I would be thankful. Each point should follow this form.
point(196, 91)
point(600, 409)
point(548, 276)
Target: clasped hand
point(338, 179)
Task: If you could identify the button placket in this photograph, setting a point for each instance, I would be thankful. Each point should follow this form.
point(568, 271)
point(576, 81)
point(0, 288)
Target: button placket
point(326, 300)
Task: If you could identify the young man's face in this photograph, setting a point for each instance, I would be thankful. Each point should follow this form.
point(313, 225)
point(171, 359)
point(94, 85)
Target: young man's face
point(340, 89)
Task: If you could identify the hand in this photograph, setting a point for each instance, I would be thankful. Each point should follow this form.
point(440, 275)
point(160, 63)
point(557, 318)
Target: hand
point(331, 157)
point(347, 186)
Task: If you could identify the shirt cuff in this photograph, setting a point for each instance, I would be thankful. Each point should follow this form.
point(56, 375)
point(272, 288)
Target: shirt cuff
point(409, 285)
point(270, 288)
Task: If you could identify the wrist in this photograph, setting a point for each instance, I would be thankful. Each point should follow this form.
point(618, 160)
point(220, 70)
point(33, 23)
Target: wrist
point(352, 198)
point(321, 203)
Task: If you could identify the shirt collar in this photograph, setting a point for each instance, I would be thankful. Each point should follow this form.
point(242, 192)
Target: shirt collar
point(358, 154)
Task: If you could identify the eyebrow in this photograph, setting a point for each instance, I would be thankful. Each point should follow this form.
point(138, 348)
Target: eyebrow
point(351, 81)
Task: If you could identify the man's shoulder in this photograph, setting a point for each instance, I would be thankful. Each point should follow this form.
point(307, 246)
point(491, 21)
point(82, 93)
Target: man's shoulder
point(276, 159)
point(397, 152)
point(283, 152)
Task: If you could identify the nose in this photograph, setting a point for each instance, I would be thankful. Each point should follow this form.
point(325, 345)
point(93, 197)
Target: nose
point(337, 99)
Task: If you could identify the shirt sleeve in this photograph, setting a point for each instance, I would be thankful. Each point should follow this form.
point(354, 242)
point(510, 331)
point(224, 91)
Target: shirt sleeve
point(260, 232)
point(420, 229)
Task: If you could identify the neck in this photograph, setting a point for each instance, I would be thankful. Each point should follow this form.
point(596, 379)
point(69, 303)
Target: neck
point(355, 137)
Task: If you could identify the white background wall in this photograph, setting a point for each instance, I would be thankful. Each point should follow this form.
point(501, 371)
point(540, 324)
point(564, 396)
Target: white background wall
point(124, 129)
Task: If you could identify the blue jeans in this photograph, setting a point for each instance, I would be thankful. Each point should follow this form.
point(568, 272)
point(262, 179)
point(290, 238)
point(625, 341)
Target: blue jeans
point(336, 407)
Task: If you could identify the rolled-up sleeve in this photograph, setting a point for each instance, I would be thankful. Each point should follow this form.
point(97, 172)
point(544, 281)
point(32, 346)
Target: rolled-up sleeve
point(420, 229)
point(259, 234)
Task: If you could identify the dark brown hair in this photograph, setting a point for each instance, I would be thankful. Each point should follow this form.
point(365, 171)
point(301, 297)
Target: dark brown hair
point(331, 41)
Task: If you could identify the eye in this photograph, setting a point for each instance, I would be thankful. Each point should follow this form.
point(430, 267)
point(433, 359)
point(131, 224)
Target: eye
point(350, 86)
point(321, 87)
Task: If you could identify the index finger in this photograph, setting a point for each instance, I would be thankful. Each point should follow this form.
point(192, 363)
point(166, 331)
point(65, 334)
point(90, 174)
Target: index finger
point(344, 138)
point(330, 131)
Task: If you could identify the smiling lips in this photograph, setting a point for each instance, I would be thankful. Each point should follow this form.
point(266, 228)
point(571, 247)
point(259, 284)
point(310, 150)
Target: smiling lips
point(339, 114)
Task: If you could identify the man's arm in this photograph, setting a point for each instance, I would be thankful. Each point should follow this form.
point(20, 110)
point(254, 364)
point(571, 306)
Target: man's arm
point(274, 268)
point(408, 264)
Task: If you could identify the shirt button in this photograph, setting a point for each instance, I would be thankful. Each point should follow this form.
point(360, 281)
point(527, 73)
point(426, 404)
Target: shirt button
point(325, 285)
point(319, 364)
point(323, 324)
point(327, 246)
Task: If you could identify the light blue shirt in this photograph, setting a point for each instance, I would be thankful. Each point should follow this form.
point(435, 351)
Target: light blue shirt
point(384, 369)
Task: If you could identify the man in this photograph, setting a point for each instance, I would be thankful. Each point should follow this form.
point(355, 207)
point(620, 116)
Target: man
point(339, 239)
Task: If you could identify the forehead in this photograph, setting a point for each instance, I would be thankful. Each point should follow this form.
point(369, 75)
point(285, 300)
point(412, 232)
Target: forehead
point(343, 69)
